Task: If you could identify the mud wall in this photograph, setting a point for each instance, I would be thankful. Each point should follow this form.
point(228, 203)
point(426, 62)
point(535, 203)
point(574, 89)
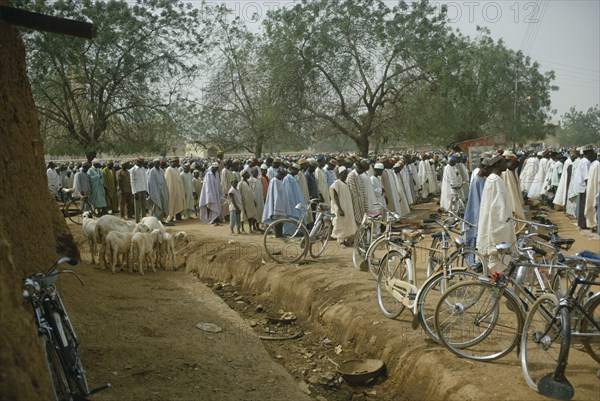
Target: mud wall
point(32, 231)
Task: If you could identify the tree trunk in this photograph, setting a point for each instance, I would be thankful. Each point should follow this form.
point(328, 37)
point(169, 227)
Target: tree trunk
point(32, 229)
point(258, 145)
point(362, 143)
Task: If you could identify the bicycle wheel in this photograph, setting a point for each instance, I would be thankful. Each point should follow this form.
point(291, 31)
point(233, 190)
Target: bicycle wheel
point(431, 292)
point(60, 385)
point(592, 345)
point(561, 280)
point(541, 339)
point(393, 267)
point(435, 256)
point(377, 253)
point(319, 241)
point(362, 240)
point(286, 241)
point(470, 259)
point(479, 321)
point(70, 357)
point(73, 212)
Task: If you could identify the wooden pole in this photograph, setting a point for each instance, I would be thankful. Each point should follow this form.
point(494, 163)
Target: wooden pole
point(47, 23)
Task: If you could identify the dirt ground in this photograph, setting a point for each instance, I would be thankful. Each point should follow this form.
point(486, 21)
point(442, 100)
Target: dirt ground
point(139, 332)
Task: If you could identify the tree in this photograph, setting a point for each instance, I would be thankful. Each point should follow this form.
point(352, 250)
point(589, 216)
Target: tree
point(139, 65)
point(471, 91)
point(348, 60)
point(243, 107)
point(582, 128)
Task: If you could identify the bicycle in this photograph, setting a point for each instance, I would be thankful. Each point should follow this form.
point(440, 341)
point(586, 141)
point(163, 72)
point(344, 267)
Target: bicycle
point(457, 205)
point(73, 207)
point(364, 236)
point(553, 322)
point(483, 319)
point(397, 286)
point(57, 334)
point(287, 240)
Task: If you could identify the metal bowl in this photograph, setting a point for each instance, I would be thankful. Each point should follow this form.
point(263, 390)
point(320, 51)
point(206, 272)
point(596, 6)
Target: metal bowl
point(360, 371)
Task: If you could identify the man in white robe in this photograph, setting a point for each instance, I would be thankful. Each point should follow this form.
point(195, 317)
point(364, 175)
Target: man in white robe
point(321, 177)
point(54, 181)
point(451, 179)
point(211, 197)
point(535, 190)
point(560, 197)
point(509, 176)
point(176, 190)
point(581, 177)
point(402, 197)
point(529, 172)
point(495, 210)
point(390, 189)
point(257, 192)
point(591, 198)
point(377, 186)
point(188, 188)
point(344, 225)
point(248, 205)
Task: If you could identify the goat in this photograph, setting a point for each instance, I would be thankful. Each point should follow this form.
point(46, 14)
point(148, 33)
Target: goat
point(89, 232)
point(142, 248)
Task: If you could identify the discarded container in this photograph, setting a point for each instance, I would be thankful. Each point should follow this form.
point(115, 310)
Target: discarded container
point(360, 371)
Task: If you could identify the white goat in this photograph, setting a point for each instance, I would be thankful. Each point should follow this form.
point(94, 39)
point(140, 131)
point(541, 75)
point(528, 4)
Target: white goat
point(142, 248)
point(118, 244)
point(106, 224)
point(167, 249)
point(153, 224)
point(89, 232)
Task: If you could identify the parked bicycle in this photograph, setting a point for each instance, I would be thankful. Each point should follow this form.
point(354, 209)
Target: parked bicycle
point(287, 240)
point(73, 207)
point(555, 322)
point(397, 284)
point(57, 334)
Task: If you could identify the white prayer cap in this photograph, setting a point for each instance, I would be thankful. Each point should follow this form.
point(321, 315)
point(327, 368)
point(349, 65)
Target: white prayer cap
point(585, 148)
point(342, 169)
point(296, 166)
point(379, 166)
point(247, 169)
point(214, 164)
point(540, 153)
point(95, 161)
point(264, 166)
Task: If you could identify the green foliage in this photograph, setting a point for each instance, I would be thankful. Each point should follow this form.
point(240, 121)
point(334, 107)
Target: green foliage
point(95, 93)
point(581, 128)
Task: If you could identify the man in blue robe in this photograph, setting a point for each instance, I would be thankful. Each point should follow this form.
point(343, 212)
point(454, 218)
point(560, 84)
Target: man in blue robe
point(98, 196)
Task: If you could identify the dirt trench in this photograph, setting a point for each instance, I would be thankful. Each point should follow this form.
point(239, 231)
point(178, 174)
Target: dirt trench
point(339, 302)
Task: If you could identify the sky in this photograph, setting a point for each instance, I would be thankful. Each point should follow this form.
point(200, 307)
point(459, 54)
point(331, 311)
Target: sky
point(562, 35)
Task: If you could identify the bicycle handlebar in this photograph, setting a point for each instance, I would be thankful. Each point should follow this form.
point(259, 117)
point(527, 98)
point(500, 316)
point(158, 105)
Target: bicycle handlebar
point(552, 227)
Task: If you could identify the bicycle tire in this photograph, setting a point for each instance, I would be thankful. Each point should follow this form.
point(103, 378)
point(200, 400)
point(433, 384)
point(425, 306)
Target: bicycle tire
point(541, 339)
point(319, 241)
point(69, 355)
point(286, 241)
point(470, 259)
point(435, 258)
point(479, 321)
point(362, 240)
point(60, 385)
point(376, 254)
point(73, 212)
point(592, 346)
point(431, 292)
point(394, 266)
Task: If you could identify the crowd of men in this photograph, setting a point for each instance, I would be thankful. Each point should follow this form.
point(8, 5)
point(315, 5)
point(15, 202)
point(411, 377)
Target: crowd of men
point(258, 191)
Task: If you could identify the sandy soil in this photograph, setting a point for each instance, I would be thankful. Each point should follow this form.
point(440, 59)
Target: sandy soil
point(139, 332)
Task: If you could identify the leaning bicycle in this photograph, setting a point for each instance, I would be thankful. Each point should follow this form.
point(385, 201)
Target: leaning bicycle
point(287, 240)
point(73, 207)
point(57, 334)
point(554, 322)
